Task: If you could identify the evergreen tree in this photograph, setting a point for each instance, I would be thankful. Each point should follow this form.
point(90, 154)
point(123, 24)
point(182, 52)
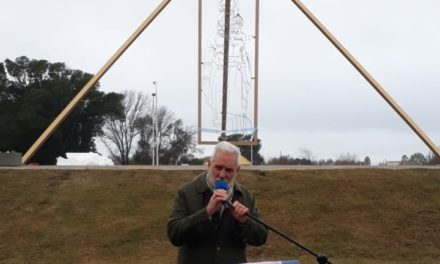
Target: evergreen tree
point(33, 93)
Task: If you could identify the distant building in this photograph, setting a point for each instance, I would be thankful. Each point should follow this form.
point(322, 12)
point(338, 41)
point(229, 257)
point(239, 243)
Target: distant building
point(392, 163)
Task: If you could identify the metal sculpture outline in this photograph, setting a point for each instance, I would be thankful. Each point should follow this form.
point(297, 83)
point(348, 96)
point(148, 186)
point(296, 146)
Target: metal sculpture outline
point(83, 92)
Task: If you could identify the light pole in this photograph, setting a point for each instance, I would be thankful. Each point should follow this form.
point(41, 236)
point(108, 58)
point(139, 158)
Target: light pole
point(153, 119)
point(155, 127)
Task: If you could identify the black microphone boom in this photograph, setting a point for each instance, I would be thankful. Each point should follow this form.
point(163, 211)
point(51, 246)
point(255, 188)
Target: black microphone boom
point(322, 259)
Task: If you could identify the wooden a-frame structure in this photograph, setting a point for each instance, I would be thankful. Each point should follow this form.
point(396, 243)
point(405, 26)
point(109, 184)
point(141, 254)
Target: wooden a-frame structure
point(83, 92)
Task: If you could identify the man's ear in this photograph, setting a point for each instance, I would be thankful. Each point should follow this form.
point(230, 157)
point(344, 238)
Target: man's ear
point(238, 169)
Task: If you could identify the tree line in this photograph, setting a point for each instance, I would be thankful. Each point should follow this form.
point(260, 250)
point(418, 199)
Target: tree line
point(33, 92)
point(420, 159)
point(130, 138)
point(307, 157)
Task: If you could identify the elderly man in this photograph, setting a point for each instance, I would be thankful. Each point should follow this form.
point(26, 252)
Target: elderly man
point(201, 223)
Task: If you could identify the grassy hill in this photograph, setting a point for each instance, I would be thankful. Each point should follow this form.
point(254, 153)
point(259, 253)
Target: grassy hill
point(119, 216)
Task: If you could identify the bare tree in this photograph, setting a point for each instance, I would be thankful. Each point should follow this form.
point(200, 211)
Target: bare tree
point(307, 153)
point(120, 131)
point(174, 139)
point(347, 159)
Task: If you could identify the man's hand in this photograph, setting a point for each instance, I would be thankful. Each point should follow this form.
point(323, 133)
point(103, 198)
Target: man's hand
point(217, 198)
point(239, 212)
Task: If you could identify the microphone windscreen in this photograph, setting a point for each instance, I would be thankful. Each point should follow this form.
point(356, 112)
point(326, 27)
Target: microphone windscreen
point(219, 184)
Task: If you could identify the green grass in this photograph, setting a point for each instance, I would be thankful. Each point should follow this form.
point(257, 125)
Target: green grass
point(357, 216)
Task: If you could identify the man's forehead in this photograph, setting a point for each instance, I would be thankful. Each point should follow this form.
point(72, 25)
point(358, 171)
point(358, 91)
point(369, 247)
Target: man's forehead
point(222, 156)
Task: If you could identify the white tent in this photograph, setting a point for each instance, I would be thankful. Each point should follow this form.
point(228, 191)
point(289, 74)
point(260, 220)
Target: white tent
point(84, 159)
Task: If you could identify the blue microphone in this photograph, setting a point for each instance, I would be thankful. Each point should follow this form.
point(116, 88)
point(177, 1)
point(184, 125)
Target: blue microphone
point(220, 184)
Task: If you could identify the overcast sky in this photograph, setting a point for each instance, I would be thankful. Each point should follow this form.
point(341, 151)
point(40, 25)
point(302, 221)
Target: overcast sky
point(310, 96)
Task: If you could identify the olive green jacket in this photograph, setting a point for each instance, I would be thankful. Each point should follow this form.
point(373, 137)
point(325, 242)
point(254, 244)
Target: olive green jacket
point(200, 241)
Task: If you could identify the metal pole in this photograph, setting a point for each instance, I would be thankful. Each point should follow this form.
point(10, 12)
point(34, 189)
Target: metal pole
point(76, 100)
point(256, 74)
point(225, 65)
point(156, 128)
point(368, 77)
point(199, 77)
point(153, 119)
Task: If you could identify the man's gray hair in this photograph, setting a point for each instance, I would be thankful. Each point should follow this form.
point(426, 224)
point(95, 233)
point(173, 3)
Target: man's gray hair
point(225, 146)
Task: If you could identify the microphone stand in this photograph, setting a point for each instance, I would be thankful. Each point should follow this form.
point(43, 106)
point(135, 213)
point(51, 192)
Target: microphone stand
point(322, 259)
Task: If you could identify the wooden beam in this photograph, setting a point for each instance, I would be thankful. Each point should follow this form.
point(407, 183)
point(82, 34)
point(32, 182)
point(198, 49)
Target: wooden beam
point(419, 132)
point(83, 92)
